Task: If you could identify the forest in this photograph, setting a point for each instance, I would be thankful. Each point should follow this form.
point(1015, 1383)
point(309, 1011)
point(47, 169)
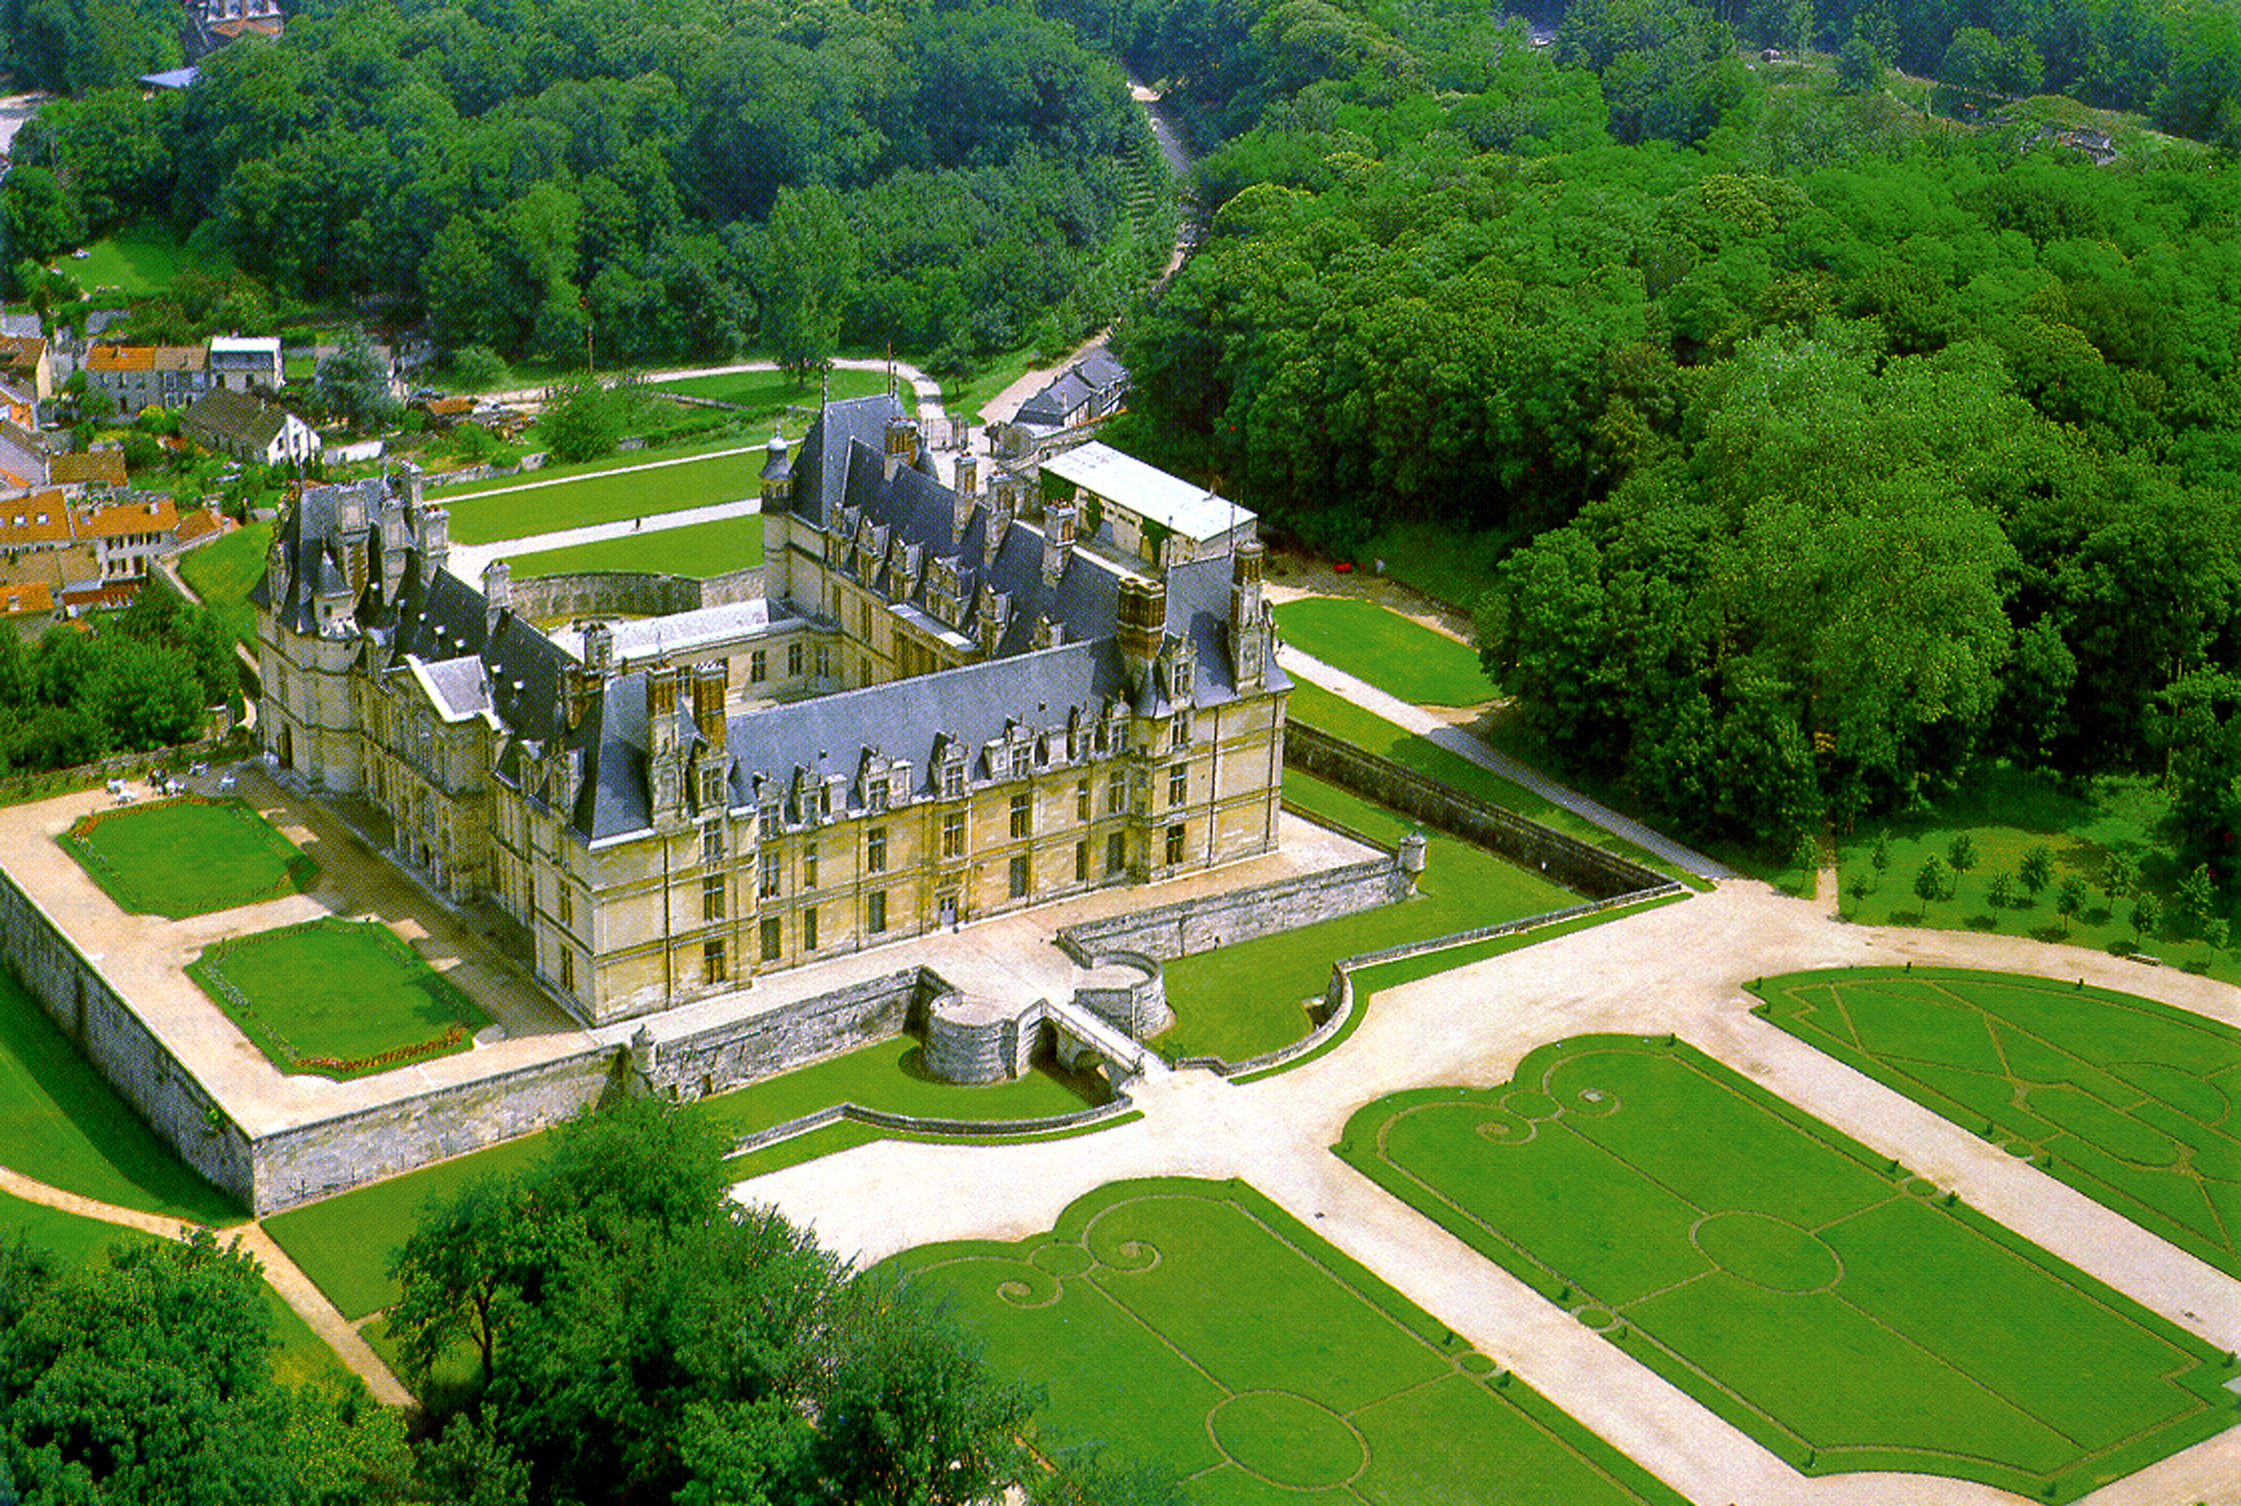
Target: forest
point(679, 182)
point(1838, 447)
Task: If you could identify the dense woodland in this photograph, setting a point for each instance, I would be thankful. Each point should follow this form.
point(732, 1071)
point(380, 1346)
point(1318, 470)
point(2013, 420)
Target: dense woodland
point(1842, 447)
point(685, 180)
point(139, 679)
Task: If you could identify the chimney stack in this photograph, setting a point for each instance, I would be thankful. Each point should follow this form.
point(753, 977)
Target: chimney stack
point(709, 684)
point(1143, 626)
point(497, 594)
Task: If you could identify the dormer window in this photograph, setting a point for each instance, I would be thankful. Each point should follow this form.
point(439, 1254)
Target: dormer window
point(953, 778)
point(875, 795)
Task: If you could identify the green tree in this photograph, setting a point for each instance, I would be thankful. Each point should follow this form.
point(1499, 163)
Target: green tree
point(2037, 869)
point(811, 261)
point(2000, 893)
point(2197, 898)
point(1961, 853)
point(39, 218)
point(1930, 884)
point(2120, 875)
point(1858, 69)
point(584, 422)
point(2147, 917)
point(2069, 899)
point(354, 385)
point(1879, 856)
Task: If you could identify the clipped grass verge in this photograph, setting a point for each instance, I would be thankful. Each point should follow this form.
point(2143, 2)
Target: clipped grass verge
point(224, 571)
point(639, 483)
point(1200, 1329)
point(1817, 1296)
point(189, 856)
point(336, 998)
point(61, 1124)
point(697, 551)
point(2126, 1099)
point(1373, 643)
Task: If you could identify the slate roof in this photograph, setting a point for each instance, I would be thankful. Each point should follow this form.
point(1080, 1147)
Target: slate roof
point(1056, 403)
point(820, 469)
point(237, 417)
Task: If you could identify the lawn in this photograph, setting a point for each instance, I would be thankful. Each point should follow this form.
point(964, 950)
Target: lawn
point(1318, 707)
point(541, 504)
point(223, 571)
point(344, 1243)
point(698, 550)
point(61, 1124)
point(187, 857)
point(1238, 1001)
point(1197, 1328)
point(2126, 1099)
point(336, 998)
point(1448, 564)
point(140, 262)
point(768, 394)
point(302, 1355)
point(1400, 657)
point(1815, 1295)
point(2004, 815)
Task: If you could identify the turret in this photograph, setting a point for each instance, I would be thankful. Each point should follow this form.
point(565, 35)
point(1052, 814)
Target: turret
point(1248, 618)
point(778, 474)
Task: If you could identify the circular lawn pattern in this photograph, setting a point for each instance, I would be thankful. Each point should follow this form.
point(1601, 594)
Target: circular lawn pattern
point(1287, 1440)
point(1768, 1252)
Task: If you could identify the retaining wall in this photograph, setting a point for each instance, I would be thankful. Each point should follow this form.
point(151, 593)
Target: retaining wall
point(792, 1035)
point(124, 1051)
point(1189, 926)
point(629, 593)
point(1593, 871)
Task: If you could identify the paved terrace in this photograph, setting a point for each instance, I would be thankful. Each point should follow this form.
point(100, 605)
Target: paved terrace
point(1679, 968)
point(1009, 957)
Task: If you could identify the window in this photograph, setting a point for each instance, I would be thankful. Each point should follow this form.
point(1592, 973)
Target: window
point(1081, 861)
point(712, 845)
point(1081, 800)
point(1178, 783)
point(953, 778)
point(1116, 792)
point(712, 897)
point(953, 835)
point(793, 660)
point(766, 821)
point(773, 868)
point(864, 617)
point(875, 794)
point(863, 670)
point(875, 850)
point(1116, 853)
point(809, 865)
point(1175, 843)
point(1179, 736)
point(1019, 876)
point(875, 911)
point(774, 945)
point(1023, 815)
point(758, 666)
point(712, 961)
point(567, 971)
point(565, 904)
point(836, 603)
point(824, 660)
point(809, 930)
point(1022, 760)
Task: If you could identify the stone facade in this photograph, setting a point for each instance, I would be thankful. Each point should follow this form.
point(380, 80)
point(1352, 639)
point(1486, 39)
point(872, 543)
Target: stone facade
point(1190, 926)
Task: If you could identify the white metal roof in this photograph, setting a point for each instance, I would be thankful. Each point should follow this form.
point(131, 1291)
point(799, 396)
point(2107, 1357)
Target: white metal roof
point(680, 633)
point(1148, 491)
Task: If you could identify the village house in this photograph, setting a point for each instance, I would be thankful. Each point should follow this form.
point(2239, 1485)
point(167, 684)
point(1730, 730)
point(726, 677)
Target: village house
point(249, 429)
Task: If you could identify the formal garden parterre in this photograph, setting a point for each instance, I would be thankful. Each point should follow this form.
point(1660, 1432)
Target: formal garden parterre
point(337, 998)
point(189, 856)
point(1197, 1327)
point(2126, 1099)
point(1842, 1312)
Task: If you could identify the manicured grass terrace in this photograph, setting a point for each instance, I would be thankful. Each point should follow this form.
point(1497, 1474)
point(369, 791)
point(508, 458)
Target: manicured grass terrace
point(2128, 1100)
point(223, 571)
point(139, 263)
point(1400, 657)
point(1810, 1292)
point(697, 550)
point(187, 857)
point(336, 998)
point(62, 1125)
point(637, 484)
point(768, 394)
point(344, 1243)
point(1198, 1328)
point(1239, 1001)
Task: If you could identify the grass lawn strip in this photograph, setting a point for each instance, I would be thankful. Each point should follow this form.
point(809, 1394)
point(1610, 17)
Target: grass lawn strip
point(190, 856)
point(1809, 1291)
point(768, 395)
point(1401, 657)
point(302, 1355)
point(139, 263)
point(525, 510)
point(1340, 717)
point(1238, 1001)
point(61, 1124)
point(2125, 1099)
point(223, 571)
point(697, 551)
point(1201, 1329)
point(336, 998)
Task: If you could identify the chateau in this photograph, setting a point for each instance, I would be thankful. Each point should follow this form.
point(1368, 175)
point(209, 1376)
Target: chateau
point(950, 701)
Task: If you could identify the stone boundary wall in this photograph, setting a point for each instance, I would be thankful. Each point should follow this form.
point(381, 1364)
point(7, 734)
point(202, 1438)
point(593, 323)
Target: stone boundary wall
point(794, 1035)
point(115, 1042)
point(332, 1155)
point(1117, 1107)
point(1186, 927)
point(125, 765)
point(1139, 1010)
point(1591, 870)
point(629, 593)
